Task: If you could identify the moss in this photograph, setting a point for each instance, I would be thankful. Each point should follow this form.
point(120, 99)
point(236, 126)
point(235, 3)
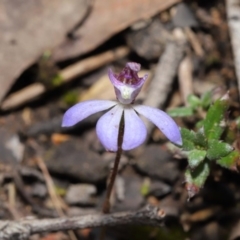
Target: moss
point(60, 191)
point(56, 80)
point(70, 97)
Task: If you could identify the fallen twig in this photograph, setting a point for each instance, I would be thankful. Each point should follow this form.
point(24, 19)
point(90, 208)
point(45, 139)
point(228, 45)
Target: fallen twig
point(185, 78)
point(233, 16)
point(192, 38)
point(84, 66)
point(22, 230)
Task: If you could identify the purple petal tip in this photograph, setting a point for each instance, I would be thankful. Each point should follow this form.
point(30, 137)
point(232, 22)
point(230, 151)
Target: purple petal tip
point(134, 66)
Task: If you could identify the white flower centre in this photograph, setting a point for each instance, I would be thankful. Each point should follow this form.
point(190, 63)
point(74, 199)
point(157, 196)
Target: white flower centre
point(126, 92)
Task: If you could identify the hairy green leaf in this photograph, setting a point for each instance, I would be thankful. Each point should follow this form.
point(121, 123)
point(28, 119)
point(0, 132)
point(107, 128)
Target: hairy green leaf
point(181, 112)
point(188, 138)
point(195, 157)
point(201, 139)
point(214, 122)
point(193, 101)
point(198, 175)
point(206, 99)
point(230, 160)
point(217, 149)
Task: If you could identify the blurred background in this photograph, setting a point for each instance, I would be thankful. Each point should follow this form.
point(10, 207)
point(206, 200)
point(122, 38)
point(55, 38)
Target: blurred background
point(56, 53)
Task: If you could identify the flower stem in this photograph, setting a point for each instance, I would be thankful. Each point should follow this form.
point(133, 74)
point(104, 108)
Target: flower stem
point(106, 205)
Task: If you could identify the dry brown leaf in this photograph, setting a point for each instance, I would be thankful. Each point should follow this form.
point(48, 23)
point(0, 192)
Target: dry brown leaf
point(107, 18)
point(28, 28)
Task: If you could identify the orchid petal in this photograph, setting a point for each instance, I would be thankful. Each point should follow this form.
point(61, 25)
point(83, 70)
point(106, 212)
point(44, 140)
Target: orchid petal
point(83, 110)
point(163, 121)
point(126, 93)
point(108, 127)
point(134, 66)
point(115, 82)
point(135, 131)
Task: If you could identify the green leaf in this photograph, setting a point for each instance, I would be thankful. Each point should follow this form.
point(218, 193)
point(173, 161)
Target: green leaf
point(214, 123)
point(206, 100)
point(196, 178)
point(199, 124)
point(199, 175)
point(195, 157)
point(181, 112)
point(217, 149)
point(230, 160)
point(201, 139)
point(188, 138)
point(193, 101)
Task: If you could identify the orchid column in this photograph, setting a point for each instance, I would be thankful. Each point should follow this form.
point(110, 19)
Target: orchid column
point(121, 128)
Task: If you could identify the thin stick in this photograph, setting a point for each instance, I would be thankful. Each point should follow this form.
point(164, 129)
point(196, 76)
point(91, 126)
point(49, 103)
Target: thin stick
point(22, 96)
point(196, 45)
point(185, 78)
point(150, 216)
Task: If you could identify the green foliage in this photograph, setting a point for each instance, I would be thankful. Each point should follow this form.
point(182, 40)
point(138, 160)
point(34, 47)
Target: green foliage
point(195, 157)
point(194, 104)
point(201, 139)
point(230, 160)
point(194, 101)
point(181, 112)
point(188, 138)
point(206, 100)
point(217, 149)
point(207, 144)
point(214, 123)
point(198, 176)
